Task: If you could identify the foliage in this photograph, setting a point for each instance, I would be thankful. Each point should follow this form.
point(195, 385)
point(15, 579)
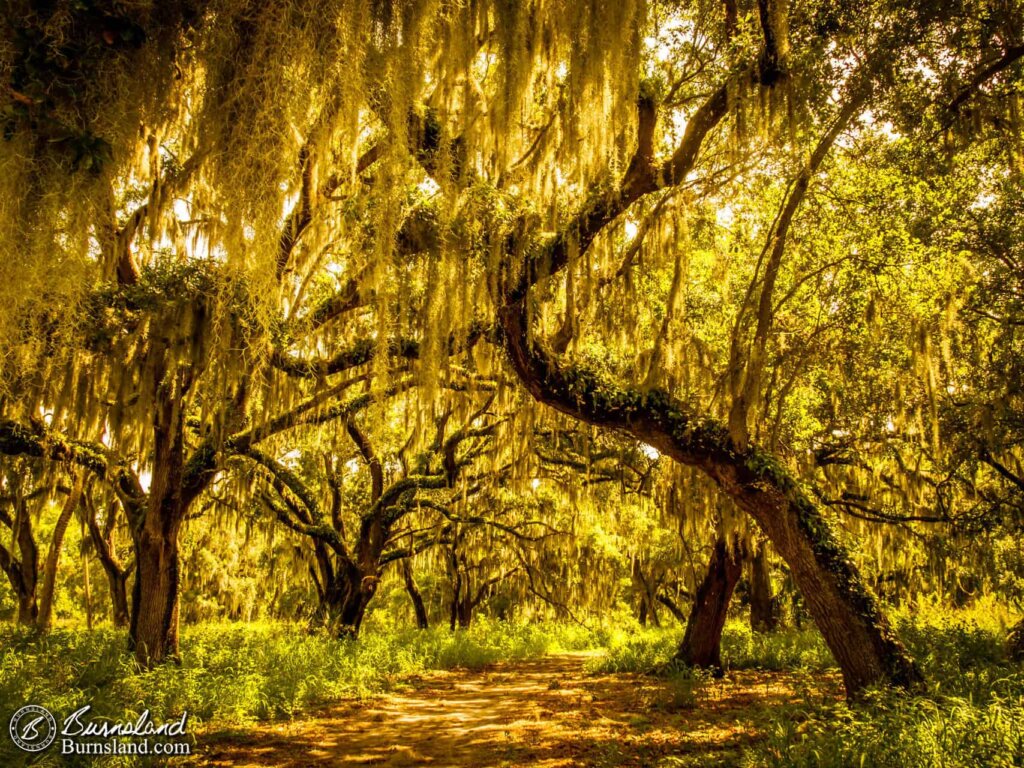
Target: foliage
point(647, 649)
point(972, 715)
point(892, 730)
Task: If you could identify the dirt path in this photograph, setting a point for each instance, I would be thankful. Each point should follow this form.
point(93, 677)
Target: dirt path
point(546, 712)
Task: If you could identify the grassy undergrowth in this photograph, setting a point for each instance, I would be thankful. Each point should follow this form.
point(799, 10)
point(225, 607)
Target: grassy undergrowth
point(240, 672)
point(644, 649)
point(972, 715)
point(232, 674)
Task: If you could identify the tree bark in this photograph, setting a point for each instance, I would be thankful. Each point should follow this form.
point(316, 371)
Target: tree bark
point(701, 646)
point(674, 609)
point(845, 610)
point(22, 571)
point(462, 612)
point(45, 618)
point(153, 633)
point(153, 630)
point(343, 601)
point(1015, 644)
point(116, 573)
point(764, 614)
point(414, 594)
point(647, 610)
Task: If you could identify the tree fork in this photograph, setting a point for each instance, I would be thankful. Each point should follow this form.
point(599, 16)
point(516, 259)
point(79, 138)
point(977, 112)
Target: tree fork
point(414, 595)
point(702, 642)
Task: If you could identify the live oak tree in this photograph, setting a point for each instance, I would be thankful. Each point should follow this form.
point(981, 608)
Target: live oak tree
point(299, 197)
point(357, 526)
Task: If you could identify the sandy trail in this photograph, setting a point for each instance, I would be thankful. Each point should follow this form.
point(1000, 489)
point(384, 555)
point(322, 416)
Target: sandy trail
point(547, 712)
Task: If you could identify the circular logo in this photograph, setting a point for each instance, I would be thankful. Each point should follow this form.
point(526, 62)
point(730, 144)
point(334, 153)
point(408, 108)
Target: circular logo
point(33, 728)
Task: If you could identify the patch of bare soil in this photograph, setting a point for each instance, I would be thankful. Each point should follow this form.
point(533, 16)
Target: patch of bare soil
point(548, 712)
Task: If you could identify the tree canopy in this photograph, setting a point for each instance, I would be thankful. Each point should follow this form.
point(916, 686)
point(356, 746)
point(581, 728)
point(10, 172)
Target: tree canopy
point(517, 289)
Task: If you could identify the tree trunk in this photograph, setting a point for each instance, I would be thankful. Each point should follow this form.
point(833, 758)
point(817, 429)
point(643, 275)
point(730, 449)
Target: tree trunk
point(116, 573)
point(647, 610)
point(764, 614)
point(1015, 644)
point(28, 609)
point(456, 575)
point(701, 646)
point(464, 612)
point(45, 618)
point(343, 602)
point(847, 613)
point(674, 609)
point(118, 583)
point(24, 572)
point(154, 619)
point(86, 585)
point(414, 595)
point(153, 630)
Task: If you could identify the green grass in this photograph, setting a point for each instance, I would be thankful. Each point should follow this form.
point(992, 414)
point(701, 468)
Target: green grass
point(238, 672)
point(233, 674)
point(894, 731)
point(971, 717)
point(642, 649)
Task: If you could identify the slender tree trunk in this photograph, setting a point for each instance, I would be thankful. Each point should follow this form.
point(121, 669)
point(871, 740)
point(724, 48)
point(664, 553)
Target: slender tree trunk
point(116, 573)
point(647, 610)
point(414, 594)
point(118, 583)
point(847, 613)
point(1016, 641)
point(26, 569)
point(87, 588)
point(456, 574)
point(701, 646)
point(764, 614)
point(674, 609)
point(45, 619)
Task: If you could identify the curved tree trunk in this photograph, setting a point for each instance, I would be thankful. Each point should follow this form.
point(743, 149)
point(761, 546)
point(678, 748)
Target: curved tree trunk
point(22, 570)
point(847, 613)
point(116, 573)
point(764, 613)
point(701, 645)
point(674, 609)
point(414, 594)
point(53, 557)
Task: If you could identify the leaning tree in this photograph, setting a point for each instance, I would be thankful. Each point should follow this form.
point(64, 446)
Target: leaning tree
point(300, 196)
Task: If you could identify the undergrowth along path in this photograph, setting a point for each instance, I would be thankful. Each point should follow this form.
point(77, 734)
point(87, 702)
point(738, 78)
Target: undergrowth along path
point(547, 712)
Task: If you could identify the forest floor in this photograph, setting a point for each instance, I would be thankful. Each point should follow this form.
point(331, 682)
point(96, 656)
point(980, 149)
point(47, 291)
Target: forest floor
point(546, 712)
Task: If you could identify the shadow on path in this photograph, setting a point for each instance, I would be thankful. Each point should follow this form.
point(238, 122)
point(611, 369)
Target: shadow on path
point(547, 712)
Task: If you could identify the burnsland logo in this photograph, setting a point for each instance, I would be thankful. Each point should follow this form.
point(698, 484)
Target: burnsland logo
point(34, 728)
